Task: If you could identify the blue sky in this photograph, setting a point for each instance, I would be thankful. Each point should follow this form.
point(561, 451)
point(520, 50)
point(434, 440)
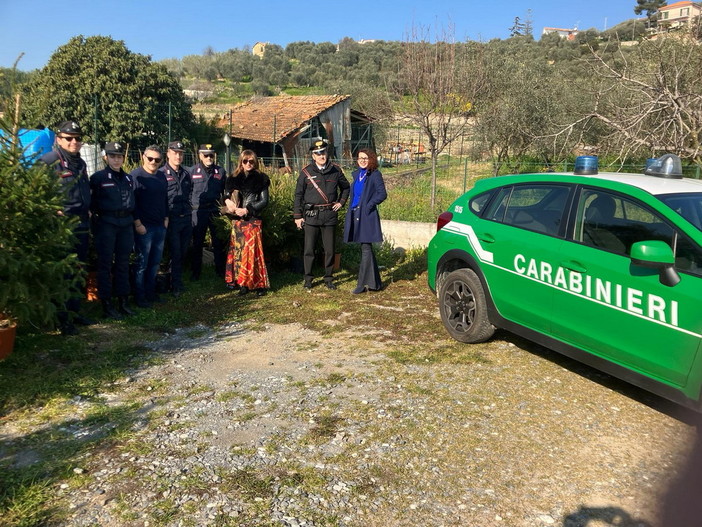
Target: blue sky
point(176, 28)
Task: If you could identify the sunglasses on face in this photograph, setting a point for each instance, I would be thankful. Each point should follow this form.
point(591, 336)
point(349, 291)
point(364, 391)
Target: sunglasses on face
point(71, 138)
point(208, 155)
point(247, 162)
point(153, 159)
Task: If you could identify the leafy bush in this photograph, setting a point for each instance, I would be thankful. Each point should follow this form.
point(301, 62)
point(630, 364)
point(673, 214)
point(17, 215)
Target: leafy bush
point(282, 241)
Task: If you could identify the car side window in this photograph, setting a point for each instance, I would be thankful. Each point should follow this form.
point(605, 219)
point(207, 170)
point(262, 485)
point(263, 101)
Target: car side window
point(536, 208)
point(496, 210)
point(688, 256)
point(614, 223)
point(477, 204)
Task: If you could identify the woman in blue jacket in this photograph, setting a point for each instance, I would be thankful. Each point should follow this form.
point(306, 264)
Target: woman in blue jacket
point(362, 223)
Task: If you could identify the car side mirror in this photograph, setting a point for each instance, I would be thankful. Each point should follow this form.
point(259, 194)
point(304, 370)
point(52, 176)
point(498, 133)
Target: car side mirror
point(656, 255)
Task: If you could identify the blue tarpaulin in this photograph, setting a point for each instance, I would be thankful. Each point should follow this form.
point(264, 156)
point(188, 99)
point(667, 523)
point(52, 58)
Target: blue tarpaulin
point(35, 142)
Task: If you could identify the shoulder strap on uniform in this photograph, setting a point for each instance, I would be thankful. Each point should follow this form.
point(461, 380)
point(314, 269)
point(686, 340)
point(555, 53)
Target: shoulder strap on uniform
point(314, 184)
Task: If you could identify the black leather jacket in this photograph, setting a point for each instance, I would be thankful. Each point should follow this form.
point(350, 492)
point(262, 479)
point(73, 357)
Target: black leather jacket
point(253, 191)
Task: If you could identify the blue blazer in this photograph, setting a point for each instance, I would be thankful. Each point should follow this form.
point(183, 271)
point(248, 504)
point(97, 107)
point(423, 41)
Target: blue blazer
point(366, 228)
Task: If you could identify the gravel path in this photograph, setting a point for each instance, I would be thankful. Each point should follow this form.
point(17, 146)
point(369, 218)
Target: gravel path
point(287, 427)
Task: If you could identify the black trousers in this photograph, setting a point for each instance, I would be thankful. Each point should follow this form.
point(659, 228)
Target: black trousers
point(202, 222)
point(311, 234)
point(180, 232)
point(114, 244)
point(368, 273)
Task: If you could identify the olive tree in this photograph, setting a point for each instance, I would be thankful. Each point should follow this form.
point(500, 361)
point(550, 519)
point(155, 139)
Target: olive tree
point(645, 102)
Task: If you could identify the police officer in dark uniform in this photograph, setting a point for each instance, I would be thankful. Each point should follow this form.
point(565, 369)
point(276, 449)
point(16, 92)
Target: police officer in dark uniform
point(180, 227)
point(321, 190)
point(71, 169)
point(112, 205)
point(208, 189)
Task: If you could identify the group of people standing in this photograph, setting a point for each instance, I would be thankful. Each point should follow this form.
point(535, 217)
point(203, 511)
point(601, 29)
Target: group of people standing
point(321, 191)
point(156, 204)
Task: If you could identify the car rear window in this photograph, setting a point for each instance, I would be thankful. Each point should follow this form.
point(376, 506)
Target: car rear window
point(537, 207)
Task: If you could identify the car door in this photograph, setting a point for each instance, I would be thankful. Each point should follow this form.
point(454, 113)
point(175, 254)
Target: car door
point(616, 309)
point(521, 230)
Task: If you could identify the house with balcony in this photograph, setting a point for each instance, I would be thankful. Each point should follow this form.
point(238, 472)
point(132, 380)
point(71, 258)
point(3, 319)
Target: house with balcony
point(678, 14)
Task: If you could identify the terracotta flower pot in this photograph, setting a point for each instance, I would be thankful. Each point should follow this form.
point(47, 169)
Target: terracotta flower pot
point(7, 338)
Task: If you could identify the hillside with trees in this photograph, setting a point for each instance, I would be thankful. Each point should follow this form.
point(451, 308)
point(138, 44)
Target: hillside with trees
point(618, 93)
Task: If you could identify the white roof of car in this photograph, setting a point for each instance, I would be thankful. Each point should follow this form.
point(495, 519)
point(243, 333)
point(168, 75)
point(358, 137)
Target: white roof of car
point(652, 184)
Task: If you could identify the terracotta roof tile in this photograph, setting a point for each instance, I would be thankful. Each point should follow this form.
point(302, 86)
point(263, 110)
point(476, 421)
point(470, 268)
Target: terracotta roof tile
point(269, 119)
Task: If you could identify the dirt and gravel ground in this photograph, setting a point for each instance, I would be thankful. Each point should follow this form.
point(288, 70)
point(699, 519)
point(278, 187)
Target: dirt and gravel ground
point(261, 423)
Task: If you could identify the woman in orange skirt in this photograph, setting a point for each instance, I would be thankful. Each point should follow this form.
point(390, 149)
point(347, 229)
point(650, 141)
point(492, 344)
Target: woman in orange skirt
point(246, 195)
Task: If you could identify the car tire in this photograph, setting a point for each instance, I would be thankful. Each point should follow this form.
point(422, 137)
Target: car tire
point(464, 308)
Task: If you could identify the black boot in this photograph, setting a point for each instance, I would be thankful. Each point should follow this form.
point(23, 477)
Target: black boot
point(82, 321)
point(68, 329)
point(142, 302)
point(123, 306)
point(109, 311)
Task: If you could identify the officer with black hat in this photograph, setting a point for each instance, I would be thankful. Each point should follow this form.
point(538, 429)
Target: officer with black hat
point(180, 227)
point(321, 190)
point(113, 205)
point(208, 189)
point(71, 169)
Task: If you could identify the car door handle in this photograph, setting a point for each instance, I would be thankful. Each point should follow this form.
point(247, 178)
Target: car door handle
point(487, 238)
point(576, 267)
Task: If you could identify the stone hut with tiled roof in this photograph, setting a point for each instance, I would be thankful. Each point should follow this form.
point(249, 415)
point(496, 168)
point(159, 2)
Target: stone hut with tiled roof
point(284, 126)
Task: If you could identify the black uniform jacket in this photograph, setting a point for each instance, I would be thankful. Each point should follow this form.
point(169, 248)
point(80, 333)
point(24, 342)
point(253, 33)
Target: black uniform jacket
point(74, 182)
point(180, 190)
point(112, 196)
point(208, 187)
point(333, 186)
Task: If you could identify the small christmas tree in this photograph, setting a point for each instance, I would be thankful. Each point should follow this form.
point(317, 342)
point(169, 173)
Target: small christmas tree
point(37, 263)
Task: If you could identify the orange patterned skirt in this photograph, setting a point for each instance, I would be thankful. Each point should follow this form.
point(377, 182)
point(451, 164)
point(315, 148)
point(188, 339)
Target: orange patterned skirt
point(245, 263)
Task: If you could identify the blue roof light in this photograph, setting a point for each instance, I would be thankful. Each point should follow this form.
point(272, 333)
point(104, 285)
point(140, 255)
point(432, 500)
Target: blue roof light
point(585, 165)
point(666, 166)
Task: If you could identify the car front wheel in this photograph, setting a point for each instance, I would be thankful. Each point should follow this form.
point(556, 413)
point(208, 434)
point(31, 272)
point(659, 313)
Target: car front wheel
point(463, 307)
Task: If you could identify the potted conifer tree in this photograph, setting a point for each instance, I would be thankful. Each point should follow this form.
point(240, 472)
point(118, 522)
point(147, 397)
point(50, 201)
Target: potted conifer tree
point(35, 240)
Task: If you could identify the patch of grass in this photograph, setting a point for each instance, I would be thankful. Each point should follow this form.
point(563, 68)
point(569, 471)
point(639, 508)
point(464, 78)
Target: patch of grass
point(247, 482)
point(437, 353)
point(247, 416)
point(325, 426)
point(164, 511)
point(229, 395)
point(203, 388)
point(334, 379)
point(26, 504)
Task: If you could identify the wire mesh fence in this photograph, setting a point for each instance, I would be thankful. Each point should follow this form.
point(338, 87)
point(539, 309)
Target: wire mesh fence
point(410, 184)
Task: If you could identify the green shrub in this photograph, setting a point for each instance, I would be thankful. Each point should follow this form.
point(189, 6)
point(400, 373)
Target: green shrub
point(36, 243)
point(282, 241)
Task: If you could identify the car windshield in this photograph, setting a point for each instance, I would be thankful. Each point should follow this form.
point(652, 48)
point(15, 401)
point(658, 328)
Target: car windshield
point(689, 206)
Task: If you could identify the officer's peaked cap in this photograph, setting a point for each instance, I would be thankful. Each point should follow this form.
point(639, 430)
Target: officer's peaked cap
point(70, 127)
point(114, 147)
point(319, 145)
point(176, 146)
point(206, 149)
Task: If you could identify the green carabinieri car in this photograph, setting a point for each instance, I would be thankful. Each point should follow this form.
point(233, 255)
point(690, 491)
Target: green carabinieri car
point(605, 268)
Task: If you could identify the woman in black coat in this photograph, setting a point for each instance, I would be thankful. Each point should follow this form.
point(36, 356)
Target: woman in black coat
point(246, 195)
point(362, 219)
